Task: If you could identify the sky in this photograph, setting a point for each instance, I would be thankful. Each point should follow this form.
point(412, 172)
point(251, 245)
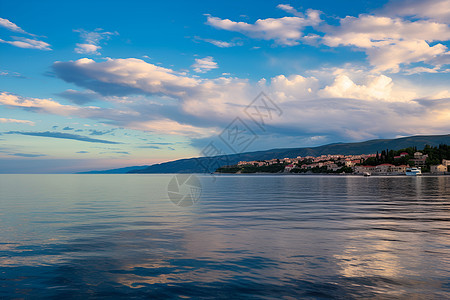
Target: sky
point(88, 85)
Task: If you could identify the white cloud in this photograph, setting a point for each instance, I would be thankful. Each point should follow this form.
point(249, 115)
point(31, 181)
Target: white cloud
point(135, 76)
point(4, 120)
point(203, 65)
point(445, 94)
point(172, 127)
point(22, 42)
point(127, 118)
point(377, 88)
point(220, 44)
point(363, 86)
point(356, 119)
point(390, 42)
point(125, 76)
point(316, 105)
point(417, 70)
point(293, 87)
point(284, 31)
point(91, 40)
point(11, 74)
point(438, 10)
point(27, 43)
point(44, 105)
point(146, 77)
point(11, 26)
point(208, 100)
point(87, 48)
point(53, 107)
point(289, 9)
point(367, 31)
point(94, 37)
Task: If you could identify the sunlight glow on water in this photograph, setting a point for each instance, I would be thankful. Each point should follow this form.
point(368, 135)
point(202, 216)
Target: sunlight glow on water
point(271, 237)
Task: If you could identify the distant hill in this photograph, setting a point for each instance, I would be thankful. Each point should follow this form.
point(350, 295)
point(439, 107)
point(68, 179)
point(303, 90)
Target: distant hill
point(209, 164)
point(115, 171)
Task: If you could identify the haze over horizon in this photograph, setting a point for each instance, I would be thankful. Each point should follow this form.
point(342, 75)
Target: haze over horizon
point(98, 85)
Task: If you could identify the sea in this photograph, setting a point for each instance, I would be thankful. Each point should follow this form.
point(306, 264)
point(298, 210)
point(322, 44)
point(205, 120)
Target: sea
point(224, 237)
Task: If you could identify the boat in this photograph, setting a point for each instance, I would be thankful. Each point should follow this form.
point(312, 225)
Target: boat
point(366, 174)
point(413, 171)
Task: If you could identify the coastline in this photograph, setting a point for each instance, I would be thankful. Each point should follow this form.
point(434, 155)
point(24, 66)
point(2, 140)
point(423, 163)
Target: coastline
point(335, 175)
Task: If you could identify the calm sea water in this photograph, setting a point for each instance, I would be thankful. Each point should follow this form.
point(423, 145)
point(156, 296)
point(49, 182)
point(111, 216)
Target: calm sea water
point(257, 237)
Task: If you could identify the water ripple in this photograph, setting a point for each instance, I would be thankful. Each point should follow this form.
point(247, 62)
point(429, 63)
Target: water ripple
point(255, 237)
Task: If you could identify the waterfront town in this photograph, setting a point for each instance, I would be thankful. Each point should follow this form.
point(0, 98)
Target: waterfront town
point(386, 163)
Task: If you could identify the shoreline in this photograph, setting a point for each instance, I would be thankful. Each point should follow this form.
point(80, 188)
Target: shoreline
point(341, 174)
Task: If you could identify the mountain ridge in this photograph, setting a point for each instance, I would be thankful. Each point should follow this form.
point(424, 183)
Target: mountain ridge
point(210, 164)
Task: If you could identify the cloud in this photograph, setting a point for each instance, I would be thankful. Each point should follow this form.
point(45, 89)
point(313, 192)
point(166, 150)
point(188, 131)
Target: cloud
point(123, 77)
point(345, 108)
point(11, 74)
point(45, 105)
point(390, 42)
point(52, 107)
point(116, 152)
point(319, 105)
point(289, 9)
point(60, 135)
point(3, 120)
point(378, 88)
point(214, 99)
point(91, 40)
point(164, 144)
point(27, 43)
point(358, 120)
point(203, 65)
point(284, 31)
point(445, 94)
point(220, 44)
point(343, 83)
point(87, 48)
point(67, 128)
point(82, 152)
point(374, 107)
point(436, 10)
point(100, 132)
point(79, 97)
point(134, 117)
point(171, 127)
point(293, 87)
point(150, 147)
point(417, 70)
point(95, 36)
point(22, 42)
point(27, 155)
point(222, 95)
point(11, 26)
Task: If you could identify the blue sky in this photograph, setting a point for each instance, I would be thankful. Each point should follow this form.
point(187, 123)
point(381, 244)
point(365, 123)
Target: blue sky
point(102, 84)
